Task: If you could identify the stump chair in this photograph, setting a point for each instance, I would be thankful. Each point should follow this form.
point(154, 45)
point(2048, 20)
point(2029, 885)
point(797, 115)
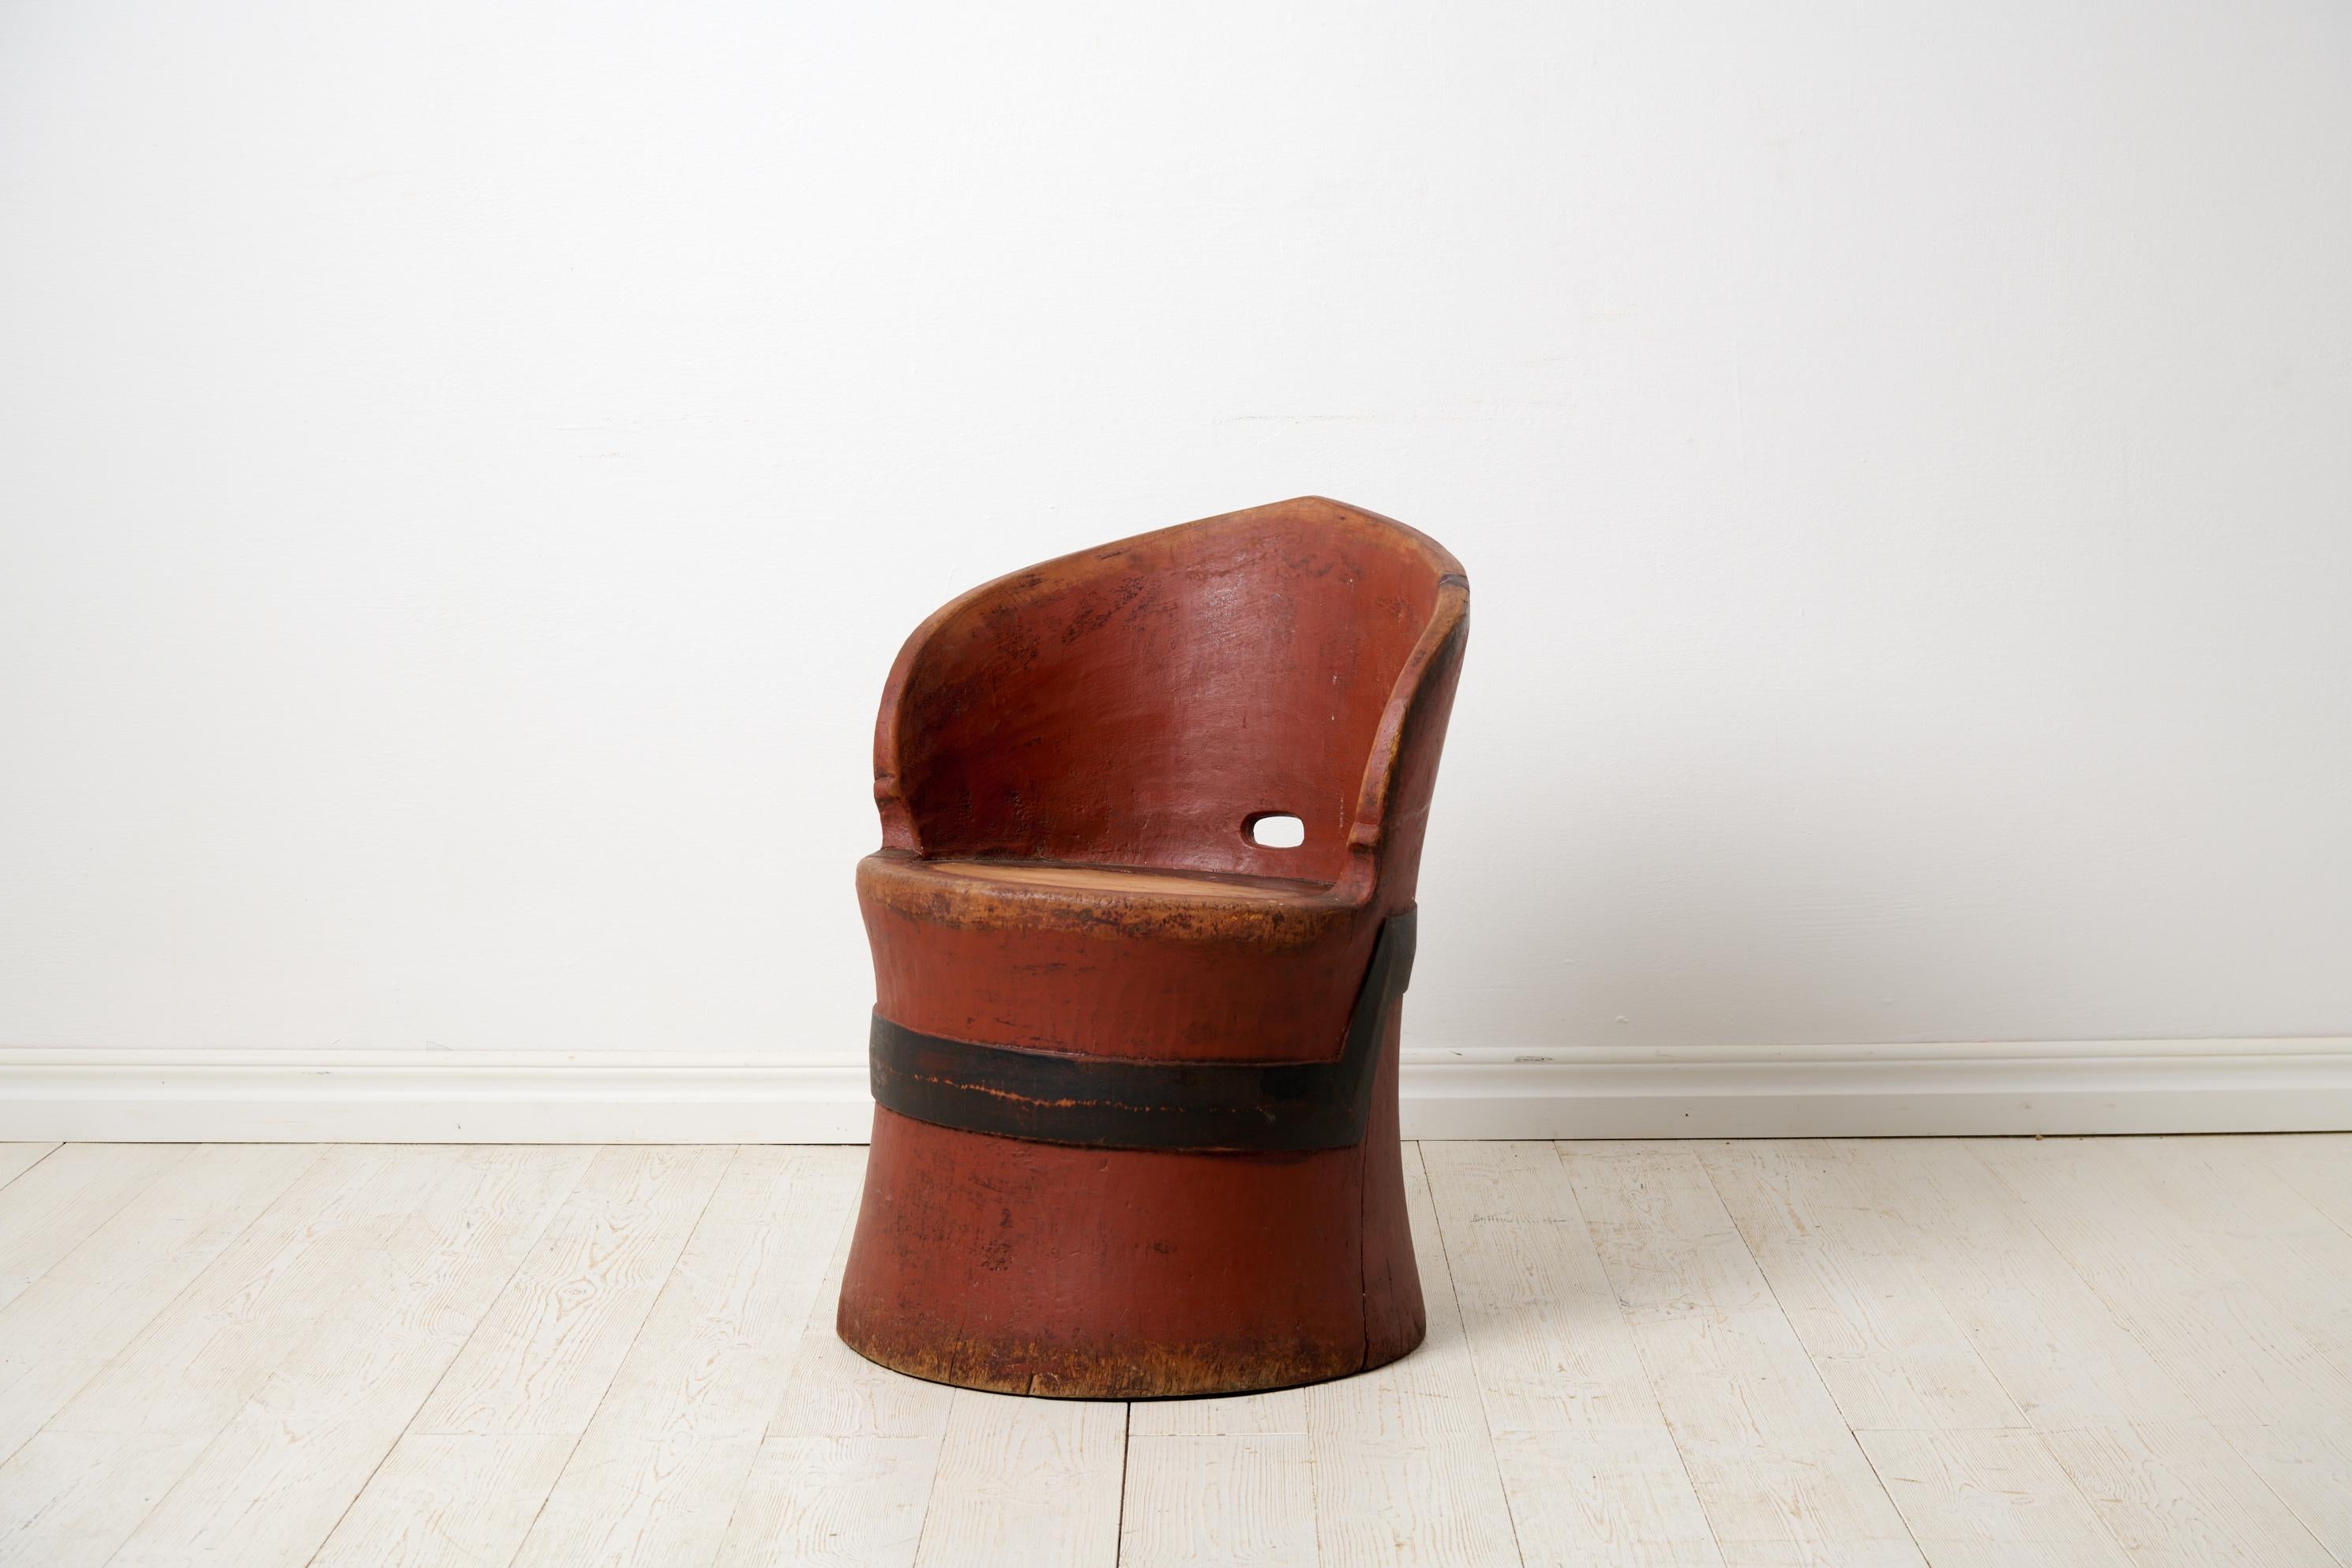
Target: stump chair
point(1135, 1070)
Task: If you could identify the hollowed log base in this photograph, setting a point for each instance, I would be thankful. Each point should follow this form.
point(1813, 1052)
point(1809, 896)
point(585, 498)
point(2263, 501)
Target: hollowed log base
point(1048, 1269)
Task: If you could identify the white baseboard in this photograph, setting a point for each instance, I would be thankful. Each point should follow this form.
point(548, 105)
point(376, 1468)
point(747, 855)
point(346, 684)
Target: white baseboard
point(1882, 1091)
point(560, 1097)
point(433, 1096)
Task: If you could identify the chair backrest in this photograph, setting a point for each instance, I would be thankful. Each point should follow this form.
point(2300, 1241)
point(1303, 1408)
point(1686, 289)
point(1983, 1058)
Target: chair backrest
point(1143, 702)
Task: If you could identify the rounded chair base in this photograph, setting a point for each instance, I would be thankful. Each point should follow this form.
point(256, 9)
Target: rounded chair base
point(1124, 1381)
point(1083, 1273)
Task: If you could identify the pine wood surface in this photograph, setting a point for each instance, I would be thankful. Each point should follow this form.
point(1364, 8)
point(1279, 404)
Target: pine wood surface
point(2101, 1351)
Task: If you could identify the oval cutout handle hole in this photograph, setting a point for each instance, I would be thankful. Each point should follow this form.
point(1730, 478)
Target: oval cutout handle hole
point(1276, 830)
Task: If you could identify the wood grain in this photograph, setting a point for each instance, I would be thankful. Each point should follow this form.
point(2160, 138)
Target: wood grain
point(1433, 1391)
point(59, 1203)
point(1201, 1502)
point(16, 1159)
point(2228, 1194)
point(541, 1360)
point(199, 1360)
point(844, 1475)
point(1877, 1326)
point(440, 1500)
point(78, 1315)
point(1993, 1499)
point(269, 1491)
point(1603, 1494)
point(1030, 1481)
point(656, 1474)
point(834, 1392)
point(2305, 1457)
point(1551, 1349)
point(2176, 1494)
point(1275, 1412)
point(2052, 1342)
point(2319, 1166)
point(833, 1502)
point(2212, 1331)
point(259, 1331)
point(1405, 1467)
point(68, 1500)
point(134, 1430)
point(1769, 1455)
point(1432, 1500)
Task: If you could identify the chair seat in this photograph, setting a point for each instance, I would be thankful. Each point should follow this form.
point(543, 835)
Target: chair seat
point(1133, 881)
point(1114, 961)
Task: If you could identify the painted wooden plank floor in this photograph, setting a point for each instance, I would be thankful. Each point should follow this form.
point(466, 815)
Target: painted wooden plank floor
point(2125, 1353)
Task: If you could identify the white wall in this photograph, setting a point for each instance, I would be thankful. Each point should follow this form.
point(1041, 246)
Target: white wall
point(464, 472)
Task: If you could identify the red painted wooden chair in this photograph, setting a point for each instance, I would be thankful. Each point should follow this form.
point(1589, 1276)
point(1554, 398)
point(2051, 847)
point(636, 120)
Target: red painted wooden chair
point(1135, 1071)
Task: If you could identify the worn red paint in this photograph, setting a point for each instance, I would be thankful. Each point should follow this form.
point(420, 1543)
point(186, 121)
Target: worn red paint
point(1073, 729)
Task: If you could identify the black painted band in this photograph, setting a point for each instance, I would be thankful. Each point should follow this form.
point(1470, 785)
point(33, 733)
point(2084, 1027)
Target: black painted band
point(1101, 1103)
